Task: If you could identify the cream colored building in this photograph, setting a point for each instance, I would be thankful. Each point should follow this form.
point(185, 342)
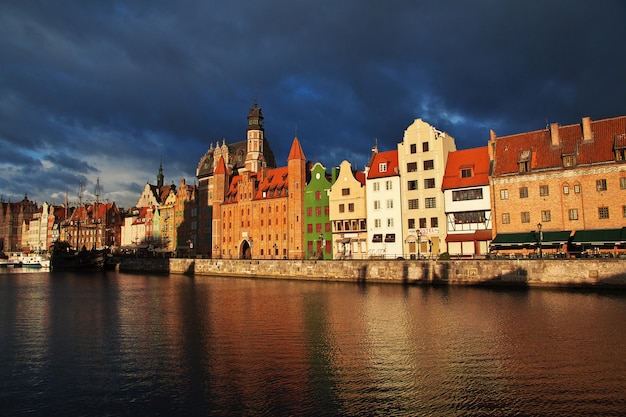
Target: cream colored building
point(348, 214)
point(422, 158)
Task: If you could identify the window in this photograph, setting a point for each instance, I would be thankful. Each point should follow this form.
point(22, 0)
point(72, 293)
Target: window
point(504, 194)
point(544, 191)
point(622, 183)
point(429, 183)
point(523, 166)
point(623, 211)
point(351, 207)
point(388, 185)
point(434, 222)
point(390, 222)
point(377, 223)
point(326, 210)
point(390, 237)
point(422, 222)
point(523, 192)
point(318, 211)
point(603, 212)
point(309, 228)
point(412, 185)
point(471, 194)
point(469, 217)
point(413, 148)
point(411, 167)
point(569, 160)
point(566, 189)
point(412, 223)
point(545, 216)
point(389, 204)
point(414, 204)
point(430, 202)
point(525, 217)
point(382, 167)
point(601, 185)
point(376, 204)
point(506, 218)
point(466, 173)
point(573, 214)
point(377, 238)
point(318, 195)
point(345, 191)
point(428, 165)
point(309, 211)
point(342, 208)
point(376, 186)
point(425, 147)
point(620, 153)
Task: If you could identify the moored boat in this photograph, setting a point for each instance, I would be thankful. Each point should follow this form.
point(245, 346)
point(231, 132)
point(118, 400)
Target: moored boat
point(65, 258)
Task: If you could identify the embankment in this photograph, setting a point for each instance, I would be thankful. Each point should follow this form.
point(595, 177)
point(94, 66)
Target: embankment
point(578, 273)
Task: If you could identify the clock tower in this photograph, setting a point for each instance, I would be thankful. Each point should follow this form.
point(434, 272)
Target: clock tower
point(255, 139)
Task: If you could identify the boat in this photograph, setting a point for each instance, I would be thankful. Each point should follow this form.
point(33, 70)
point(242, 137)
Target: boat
point(65, 258)
point(34, 260)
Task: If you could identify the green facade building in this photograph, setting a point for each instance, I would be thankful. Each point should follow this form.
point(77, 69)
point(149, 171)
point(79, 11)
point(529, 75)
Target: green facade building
point(317, 230)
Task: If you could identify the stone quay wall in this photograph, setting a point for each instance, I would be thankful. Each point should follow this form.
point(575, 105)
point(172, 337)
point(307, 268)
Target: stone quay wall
point(578, 273)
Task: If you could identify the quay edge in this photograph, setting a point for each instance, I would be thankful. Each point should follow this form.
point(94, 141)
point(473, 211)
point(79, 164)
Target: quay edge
point(575, 273)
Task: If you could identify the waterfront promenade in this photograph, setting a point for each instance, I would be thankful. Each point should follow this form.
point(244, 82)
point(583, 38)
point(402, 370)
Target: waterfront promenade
point(582, 273)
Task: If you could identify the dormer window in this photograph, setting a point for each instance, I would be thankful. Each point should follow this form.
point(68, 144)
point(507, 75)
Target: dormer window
point(523, 162)
point(382, 167)
point(569, 161)
point(467, 172)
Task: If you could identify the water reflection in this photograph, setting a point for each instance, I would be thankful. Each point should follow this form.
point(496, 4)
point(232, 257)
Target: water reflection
point(120, 344)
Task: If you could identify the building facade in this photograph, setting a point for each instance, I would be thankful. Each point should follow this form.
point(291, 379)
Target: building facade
point(348, 214)
point(561, 189)
point(318, 228)
point(467, 202)
point(12, 217)
point(422, 158)
point(384, 206)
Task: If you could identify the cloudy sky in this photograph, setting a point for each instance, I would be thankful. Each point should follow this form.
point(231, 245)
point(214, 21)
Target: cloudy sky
point(108, 89)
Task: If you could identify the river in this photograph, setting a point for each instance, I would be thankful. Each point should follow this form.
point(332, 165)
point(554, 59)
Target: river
point(114, 344)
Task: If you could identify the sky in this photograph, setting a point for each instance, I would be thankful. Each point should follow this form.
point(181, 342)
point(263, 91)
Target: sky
point(109, 90)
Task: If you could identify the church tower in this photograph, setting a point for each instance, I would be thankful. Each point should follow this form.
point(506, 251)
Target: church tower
point(255, 138)
point(296, 168)
point(160, 177)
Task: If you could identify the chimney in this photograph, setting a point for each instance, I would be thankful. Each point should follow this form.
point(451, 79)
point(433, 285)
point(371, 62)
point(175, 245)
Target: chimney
point(587, 133)
point(554, 134)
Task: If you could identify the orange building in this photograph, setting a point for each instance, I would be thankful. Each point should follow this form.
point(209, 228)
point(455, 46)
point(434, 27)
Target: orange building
point(254, 209)
point(561, 189)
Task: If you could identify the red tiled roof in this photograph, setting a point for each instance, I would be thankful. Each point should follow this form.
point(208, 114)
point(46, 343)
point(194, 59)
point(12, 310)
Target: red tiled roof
point(360, 177)
point(476, 159)
point(544, 155)
point(296, 151)
point(390, 159)
point(221, 167)
point(233, 188)
point(276, 179)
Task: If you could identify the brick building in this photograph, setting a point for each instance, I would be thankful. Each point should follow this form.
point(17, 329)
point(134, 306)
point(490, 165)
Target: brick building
point(561, 189)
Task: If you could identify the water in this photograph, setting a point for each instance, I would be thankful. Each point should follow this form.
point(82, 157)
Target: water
point(114, 344)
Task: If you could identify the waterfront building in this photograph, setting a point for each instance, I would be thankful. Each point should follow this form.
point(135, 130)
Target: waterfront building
point(422, 158)
point(185, 219)
point(467, 202)
point(166, 215)
point(12, 216)
point(212, 190)
point(348, 214)
point(257, 209)
point(561, 189)
point(93, 226)
point(384, 206)
point(318, 228)
point(153, 195)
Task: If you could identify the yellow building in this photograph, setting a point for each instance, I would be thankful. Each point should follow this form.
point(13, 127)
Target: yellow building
point(422, 158)
point(348, 214)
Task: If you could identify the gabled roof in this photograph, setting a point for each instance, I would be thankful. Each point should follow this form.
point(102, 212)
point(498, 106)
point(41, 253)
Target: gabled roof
point(273, 184)
point(475, 159)
point(233, 190)
point(544, 152)
point(390, 161)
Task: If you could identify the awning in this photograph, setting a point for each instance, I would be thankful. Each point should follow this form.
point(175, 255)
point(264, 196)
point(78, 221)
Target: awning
point(377, 238)
point(476, 236)
point(515, 239)
point(344, 240)
point(600, 237)
point(555, 238)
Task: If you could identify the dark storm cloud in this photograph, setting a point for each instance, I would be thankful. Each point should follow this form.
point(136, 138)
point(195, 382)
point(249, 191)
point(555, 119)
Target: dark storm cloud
point(111, 89)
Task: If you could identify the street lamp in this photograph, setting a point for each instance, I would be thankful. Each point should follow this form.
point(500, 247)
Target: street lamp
point(540, 240)
point(419, 242)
